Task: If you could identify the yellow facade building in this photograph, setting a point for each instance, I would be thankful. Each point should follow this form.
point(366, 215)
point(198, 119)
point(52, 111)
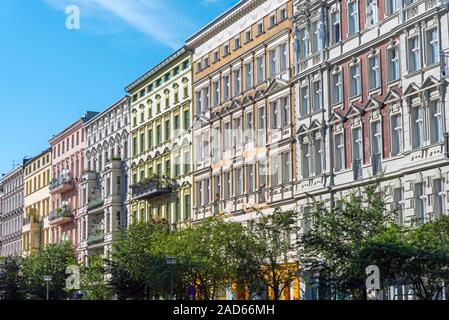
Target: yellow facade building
point(37, 176)
point(161, 142)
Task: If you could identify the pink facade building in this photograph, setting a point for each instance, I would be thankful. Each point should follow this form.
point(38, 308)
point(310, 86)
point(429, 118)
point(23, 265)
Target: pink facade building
point(68, 148)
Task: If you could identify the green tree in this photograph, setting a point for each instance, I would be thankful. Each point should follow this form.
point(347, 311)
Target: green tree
point(337, 235)
point(11, 281)
point(275, 249)
point(93, 280)
point(136, 271)
point(418, 257)
point(49, 261)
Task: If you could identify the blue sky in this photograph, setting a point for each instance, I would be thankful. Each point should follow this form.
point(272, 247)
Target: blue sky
point(49, 76)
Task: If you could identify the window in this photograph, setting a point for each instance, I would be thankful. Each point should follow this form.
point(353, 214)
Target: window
point(286, 167)
point(248, 76)
point(374, 72)
point(393, 64)
point(376, 148)
point(305, 160)
point(186, 162)
point(305, 108)
point(261, 126)
point(316, 95)
point(371, 12)
point(275, 115)
point(216, 56)
point(167, 129)
point(420, 201)
point(238, 131)
point(439, 196)
point(177, 124)
point(414, 62)
point(216, 93)
point(339, 152)
point(248, 36)
point(142, 142)
point(418, 126)
point(260, 69)
point(237, 82)
point(273, 56)
point(237, 43)
point(283, 14)
point(436, 122)
point(284, 56)
point(399, 203)
point(239, 181)
point(227, 136)
point(217, 144)
point(158, 134)
point(285, 104)
point(186, 120)
point(250, 169)
point(249, 126)
point(260, 28)
point(217, 187)
point(337, 86)
point(335, 25)
point(227, 185)
point(353, 17)
point(319, 156)
point(303, 43)
point(272, 20)
point(135, 149)
point(187, 206)
point(226, 50)
point(275, 171)
point(226, 88)
point(315, 36)
point(357, 152)
point(396, 134)
point(354, 79)
point(433, 48)
point(391, 7)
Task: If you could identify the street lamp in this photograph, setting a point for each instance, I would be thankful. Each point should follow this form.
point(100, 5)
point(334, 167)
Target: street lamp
point(171, 262)
point(48, 279)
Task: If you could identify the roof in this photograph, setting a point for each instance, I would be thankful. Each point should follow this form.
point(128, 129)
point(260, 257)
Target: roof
point(157, 68)
point(224, 15)
point(87, 116)
point(99, 115)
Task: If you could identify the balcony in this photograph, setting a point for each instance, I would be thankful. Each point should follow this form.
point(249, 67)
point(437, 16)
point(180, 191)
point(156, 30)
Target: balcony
point(60, 216)
point(95, 238)
point(152, 188)
point(30, 223)
point(357, 168)
point(377, 164)
point(62, 184)
point(95, 203)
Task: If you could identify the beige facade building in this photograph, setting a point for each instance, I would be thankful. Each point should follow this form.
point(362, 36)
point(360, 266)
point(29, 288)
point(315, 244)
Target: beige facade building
point(37, 175)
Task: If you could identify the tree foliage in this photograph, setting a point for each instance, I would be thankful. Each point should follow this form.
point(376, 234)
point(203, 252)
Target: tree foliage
point(49, 261)
point(11, 281)
point(338, 234)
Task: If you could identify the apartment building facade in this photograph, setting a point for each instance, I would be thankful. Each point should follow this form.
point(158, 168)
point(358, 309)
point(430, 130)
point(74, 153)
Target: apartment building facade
point(161, 142)
point(371, 101)
point(243, 109)
point(104, 181)
point(68, 154)
point(11, 212)
point(37, 203)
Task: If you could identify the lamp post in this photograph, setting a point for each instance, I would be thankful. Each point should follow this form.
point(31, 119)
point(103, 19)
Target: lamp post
point(171, 262)
point(48, 279)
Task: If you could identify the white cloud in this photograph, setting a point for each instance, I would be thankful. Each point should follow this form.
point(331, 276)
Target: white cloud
point(157, 19)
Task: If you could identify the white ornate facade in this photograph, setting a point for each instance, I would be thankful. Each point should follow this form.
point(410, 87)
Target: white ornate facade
point(105, 179)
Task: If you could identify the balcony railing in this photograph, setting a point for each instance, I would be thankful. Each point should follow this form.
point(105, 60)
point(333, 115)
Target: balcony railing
point(60, 215)
point(29, 220)
point(152, 188)
point(95, 203)
point(377, 164)
point(357, 168)
point(95, 238)
point(62, 183)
